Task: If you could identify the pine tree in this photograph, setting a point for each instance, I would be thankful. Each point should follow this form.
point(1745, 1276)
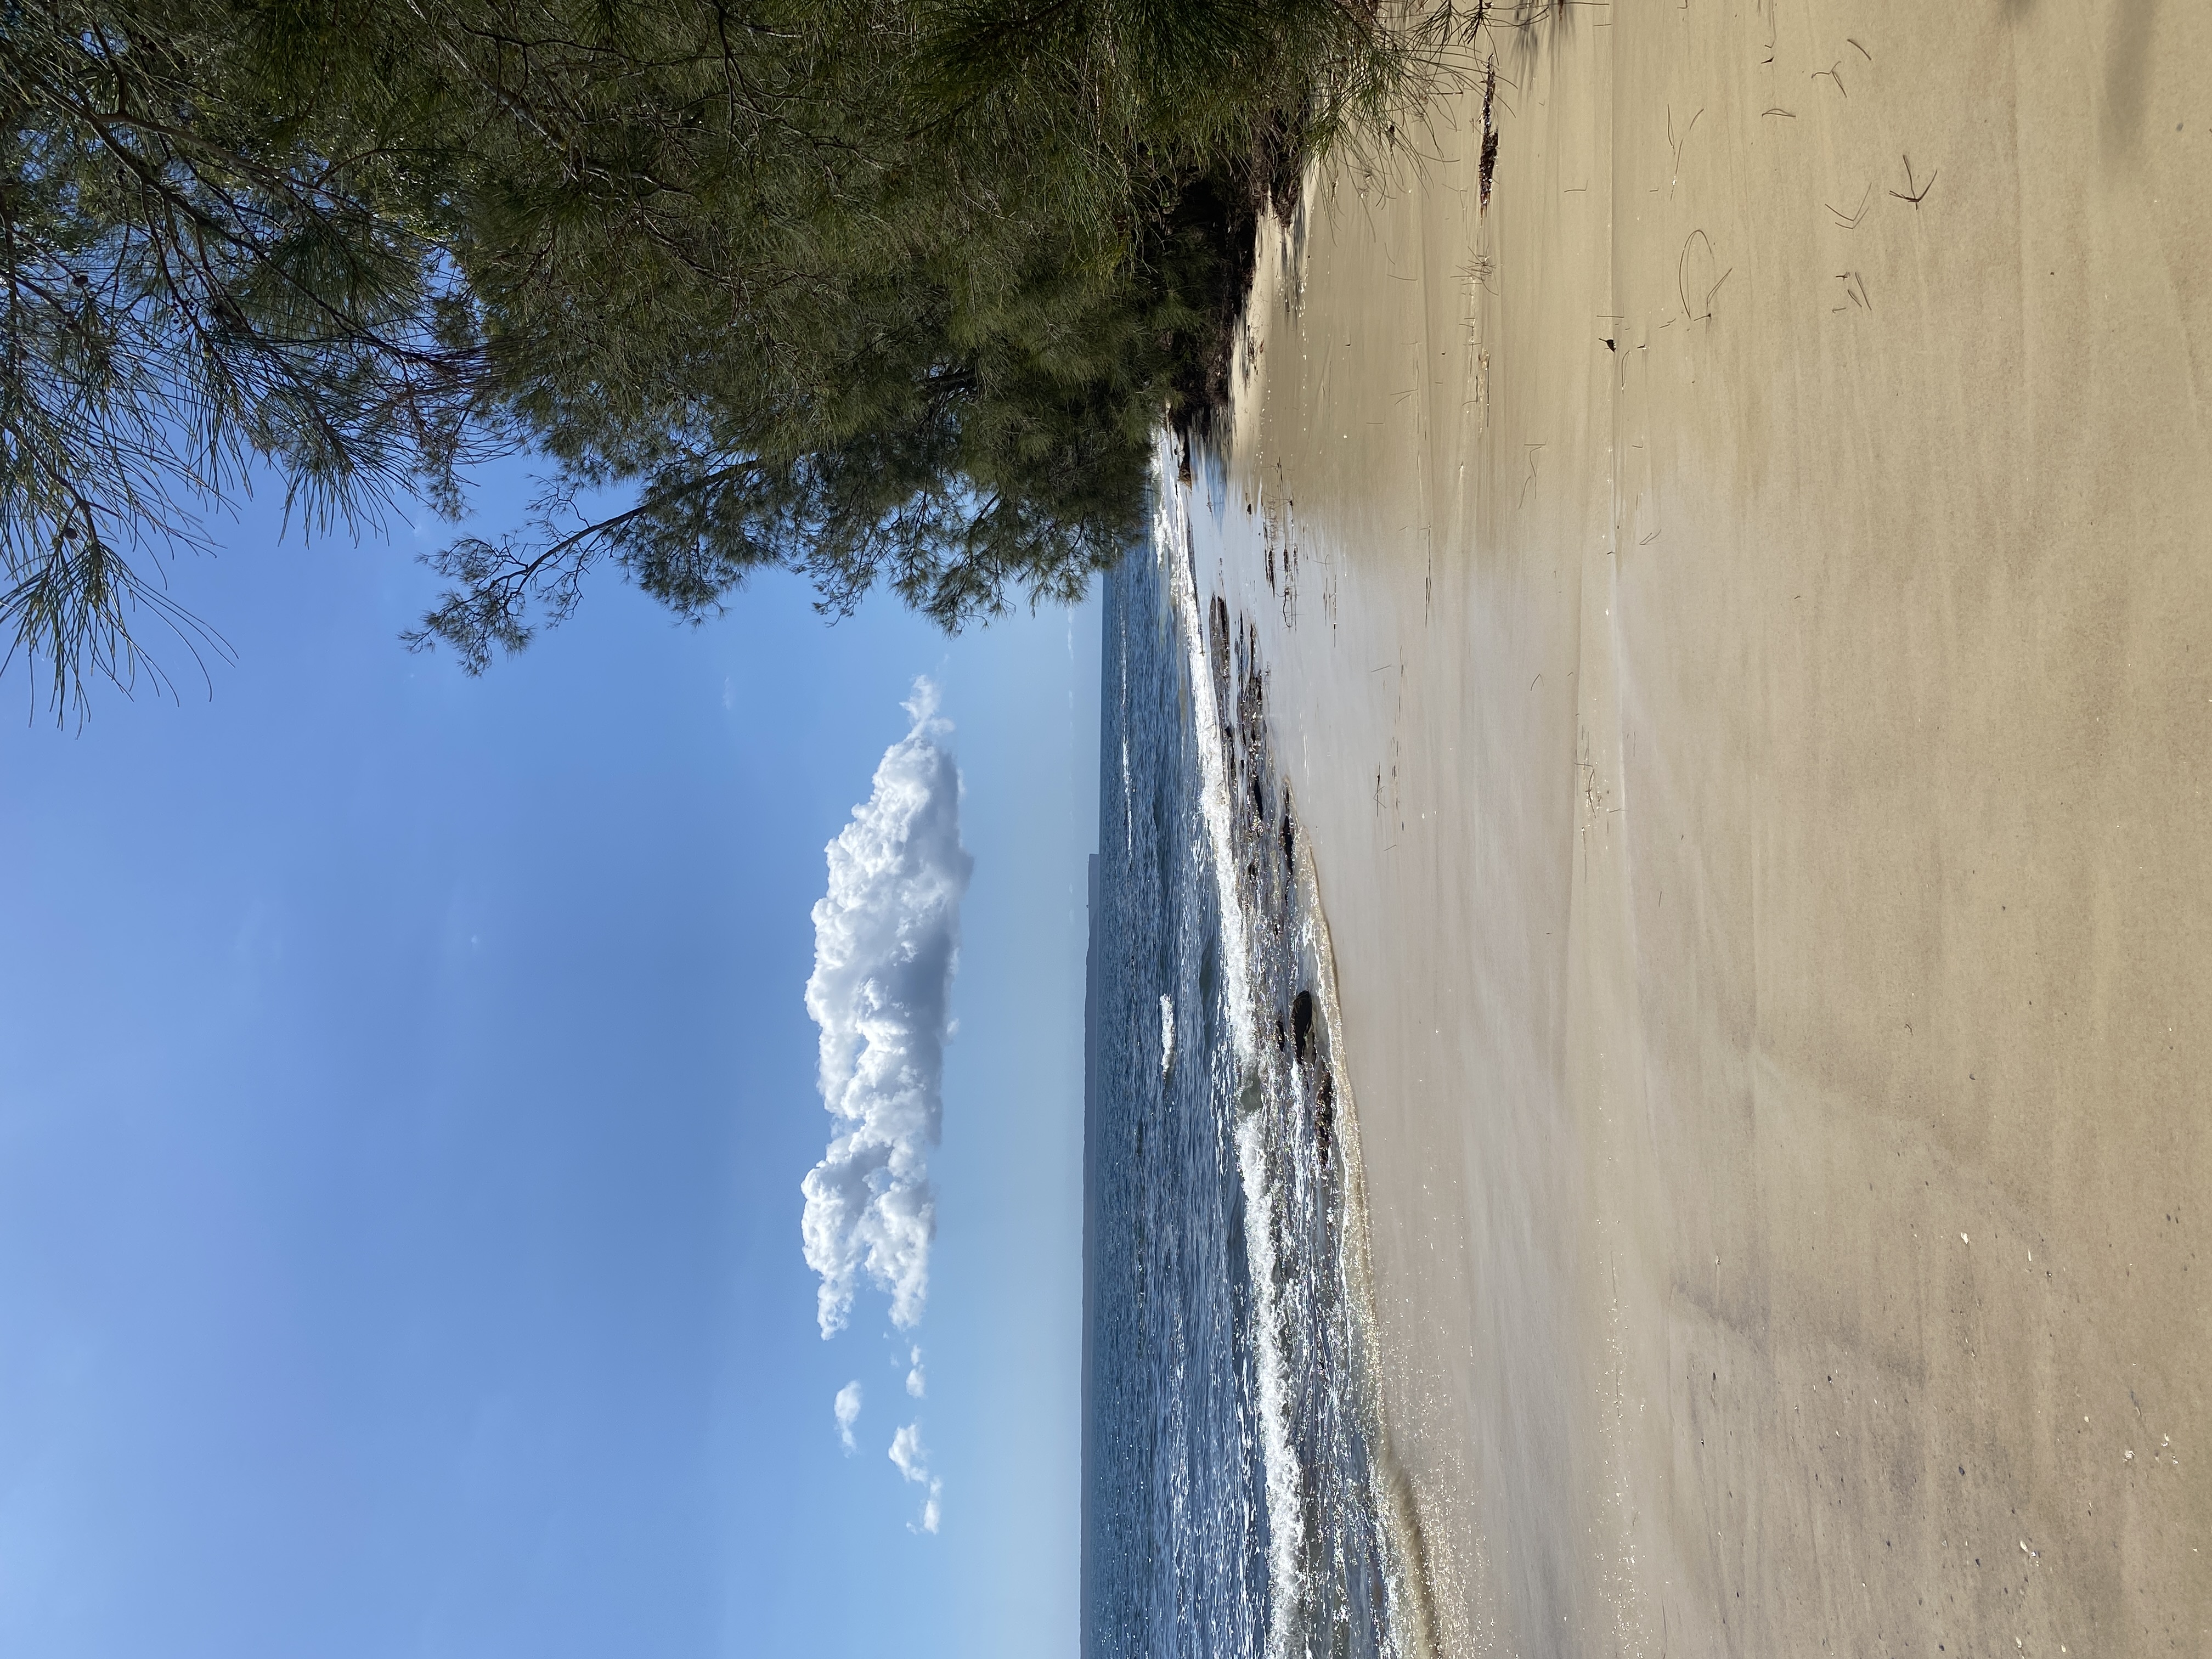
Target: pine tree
point(215, 258)
point(892, 294)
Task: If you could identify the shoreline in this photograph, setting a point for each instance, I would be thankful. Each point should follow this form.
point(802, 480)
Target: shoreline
point(1752, 746)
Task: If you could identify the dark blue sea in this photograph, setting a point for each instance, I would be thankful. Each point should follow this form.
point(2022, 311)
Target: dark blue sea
point(1232, 1504)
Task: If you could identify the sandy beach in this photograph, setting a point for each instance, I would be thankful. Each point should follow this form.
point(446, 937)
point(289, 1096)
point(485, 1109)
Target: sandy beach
point(1739, 611)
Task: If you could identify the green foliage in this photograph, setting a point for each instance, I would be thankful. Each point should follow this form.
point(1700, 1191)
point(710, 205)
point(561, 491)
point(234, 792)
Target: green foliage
point(892, 292)
point(193, 285)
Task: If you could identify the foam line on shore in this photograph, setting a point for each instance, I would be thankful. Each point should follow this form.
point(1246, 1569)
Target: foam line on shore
point(1171, 544)
point(1410, 1597)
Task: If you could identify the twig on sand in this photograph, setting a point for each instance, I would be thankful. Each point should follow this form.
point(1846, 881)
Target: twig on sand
point(1831, 73)
point(1530, 480)
point(1595, 812)
point(1918, 196)
point(1676, 143)
point(1681, 279)
point(1776, 109)
point(1488, 166)
point(1850, 220)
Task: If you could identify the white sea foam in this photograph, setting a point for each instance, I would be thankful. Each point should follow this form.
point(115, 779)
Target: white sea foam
point(1285, 1573)
point(1409, 1633)
point(1412, 1618)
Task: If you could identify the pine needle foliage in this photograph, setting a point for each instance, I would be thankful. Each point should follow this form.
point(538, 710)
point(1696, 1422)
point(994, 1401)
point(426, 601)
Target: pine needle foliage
point(213, 262)
point(889, 292)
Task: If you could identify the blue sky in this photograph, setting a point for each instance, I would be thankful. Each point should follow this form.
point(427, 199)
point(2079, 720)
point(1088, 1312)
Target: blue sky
point(404, 1089)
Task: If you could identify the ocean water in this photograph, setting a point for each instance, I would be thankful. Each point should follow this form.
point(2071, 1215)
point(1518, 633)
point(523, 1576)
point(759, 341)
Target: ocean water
point(1236, 1499)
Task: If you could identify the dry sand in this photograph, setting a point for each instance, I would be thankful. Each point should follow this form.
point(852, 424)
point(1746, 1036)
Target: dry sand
point(1757, 771)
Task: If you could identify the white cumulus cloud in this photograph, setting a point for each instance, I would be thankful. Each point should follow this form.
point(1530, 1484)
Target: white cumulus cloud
point(913, 1463)
point(886, 943)
point(848, 1408)
point(916, 1381)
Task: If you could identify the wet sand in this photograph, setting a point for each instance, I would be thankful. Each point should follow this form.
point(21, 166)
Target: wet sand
point(1741, 649)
